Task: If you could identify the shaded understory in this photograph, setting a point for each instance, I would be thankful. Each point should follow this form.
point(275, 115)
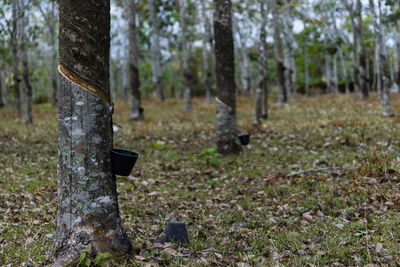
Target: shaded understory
point(241, 209)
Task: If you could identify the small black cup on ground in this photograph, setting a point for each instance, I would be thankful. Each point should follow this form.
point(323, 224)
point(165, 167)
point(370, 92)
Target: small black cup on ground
point(244, 139)
point(122, 161)
point(176, 231)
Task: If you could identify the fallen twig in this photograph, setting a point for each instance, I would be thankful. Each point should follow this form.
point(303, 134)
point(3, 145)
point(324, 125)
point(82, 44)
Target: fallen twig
point(317, 170)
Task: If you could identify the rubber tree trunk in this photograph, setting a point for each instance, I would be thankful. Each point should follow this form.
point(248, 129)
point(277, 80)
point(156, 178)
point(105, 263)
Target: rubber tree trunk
point(288, 84)
point(282, 96)
point(328, 77)
point(15, 61)
point(156, 52)
point(243, 62)
point(289, 41)
point(134, 82)
point(258, 110)
point(362, 53)
point(88, 213)
point(356, 80)
point(306, 72)
point(206, 38)
point(25, 70)
point(387, 105)
point(53, 45)
point(335, 74)
point(2, 85)
point(378, 76)
point(226, 128)
point(264, 58)
point(344, 70)
point(187, 77)
point(396, 80)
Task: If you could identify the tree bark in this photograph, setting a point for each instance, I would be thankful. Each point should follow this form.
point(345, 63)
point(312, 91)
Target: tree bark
point(52, 31)
point(378, 76)
point(362, 53)
point(2, 85)
point(335, 74)
point(88, 213)
point(282, 96)
point(206, 38)
point(15, 61)
point(258, 115)
point(264, 57)
point(187, 77)
point(328, 77)
point(156, 52)
point(289, 41)
point(387, 106)
point(226, 128)
point(307, 75)
point(344, 71)
point(25, 69)
point(356, 80)
point(396, 80)
point(134, 82)
point(243, 63)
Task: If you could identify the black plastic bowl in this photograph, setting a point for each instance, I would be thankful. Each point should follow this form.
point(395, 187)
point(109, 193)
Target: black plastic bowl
point(176, 231)
point(122, 161)
point(244, 139)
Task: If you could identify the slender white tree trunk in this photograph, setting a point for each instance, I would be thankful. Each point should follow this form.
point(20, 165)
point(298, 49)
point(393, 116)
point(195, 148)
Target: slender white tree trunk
point(156, 52)
point(387, 105)
point(243, 63)
point(264, 57)
point(335, 74)
point(25, 67)
point(206, 38)
point(134, 82)
point(187, 77)
point(344, 71)
point(306, 72)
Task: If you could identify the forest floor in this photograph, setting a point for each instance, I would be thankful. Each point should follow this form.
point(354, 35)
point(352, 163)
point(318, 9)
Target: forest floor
point(246, 209)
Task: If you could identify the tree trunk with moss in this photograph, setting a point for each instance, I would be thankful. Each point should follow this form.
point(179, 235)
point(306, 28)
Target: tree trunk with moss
point(134, 82)
point(226, 128)
point(187, 77)
point(88, 213)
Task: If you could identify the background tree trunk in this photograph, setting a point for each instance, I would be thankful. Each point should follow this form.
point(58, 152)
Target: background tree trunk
point(206, 38)
point(264, 57)
point(344, 71)
point(187, 77)
point(226, 128)
point(156, 52)
point(306, 72)
point(335, 74)
point(25, 66)
point(243, 62)
point(362, 53)
point(282, 96)
point(396, 80)
point(88, 213)
point(258, 115)
point(15, 61)
point(2, 86)
point(387, 105)
point(134, 82)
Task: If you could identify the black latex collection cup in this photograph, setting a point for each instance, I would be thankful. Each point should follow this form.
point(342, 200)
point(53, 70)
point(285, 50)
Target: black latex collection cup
point(122, 161)
point(244, 139)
